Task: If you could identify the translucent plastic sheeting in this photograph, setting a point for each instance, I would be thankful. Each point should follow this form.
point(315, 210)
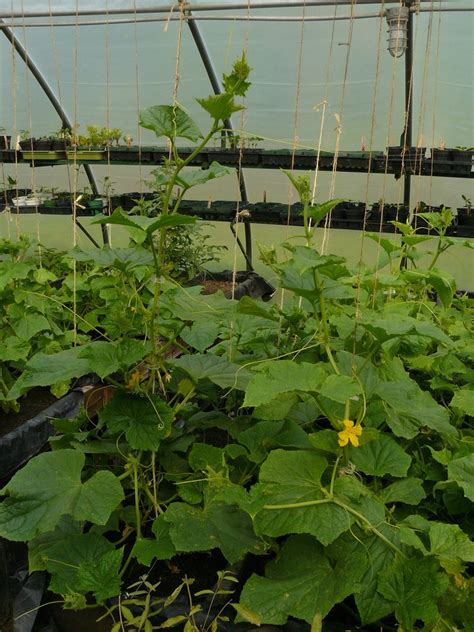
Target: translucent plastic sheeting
point(105, 74)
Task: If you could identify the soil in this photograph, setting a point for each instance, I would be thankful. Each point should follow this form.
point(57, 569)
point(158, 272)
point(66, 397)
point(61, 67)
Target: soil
point(210, 286)
point(30, 405)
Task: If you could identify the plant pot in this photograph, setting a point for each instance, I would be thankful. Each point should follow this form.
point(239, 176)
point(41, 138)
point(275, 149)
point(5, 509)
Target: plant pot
point(453, 160)
point(406, 159)
point(248, 283)
point(391, 212)
point(451, 155)
point(406, 154)
point(33, 144)
point(5, 141)
point(465, 217)
point(59, 144)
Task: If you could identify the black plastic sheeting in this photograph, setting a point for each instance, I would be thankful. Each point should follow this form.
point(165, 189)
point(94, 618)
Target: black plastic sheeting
point(248, 284)
point(21, 593)
point(19, 445)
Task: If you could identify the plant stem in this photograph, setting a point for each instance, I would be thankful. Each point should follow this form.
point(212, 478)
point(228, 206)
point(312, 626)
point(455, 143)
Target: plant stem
point(335, 501)
point(136, 486)
point(305, 503)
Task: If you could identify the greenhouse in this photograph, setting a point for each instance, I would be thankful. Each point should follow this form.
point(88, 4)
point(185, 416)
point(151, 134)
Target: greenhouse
point(237, 315)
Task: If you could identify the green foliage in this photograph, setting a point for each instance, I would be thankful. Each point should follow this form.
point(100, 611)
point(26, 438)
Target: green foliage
point(328, 437)
point(170, 121)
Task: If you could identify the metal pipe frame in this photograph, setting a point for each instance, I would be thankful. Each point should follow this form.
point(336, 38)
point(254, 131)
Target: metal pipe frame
point(65, 120)
point(228, 18)
point(196, 7)
point(407, 136)
point(217, 87)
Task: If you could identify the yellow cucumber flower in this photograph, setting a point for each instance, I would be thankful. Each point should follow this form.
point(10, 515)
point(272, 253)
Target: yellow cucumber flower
point(350, 434)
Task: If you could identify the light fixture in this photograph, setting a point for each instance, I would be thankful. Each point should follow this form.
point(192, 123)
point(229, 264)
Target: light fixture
point(397, 20)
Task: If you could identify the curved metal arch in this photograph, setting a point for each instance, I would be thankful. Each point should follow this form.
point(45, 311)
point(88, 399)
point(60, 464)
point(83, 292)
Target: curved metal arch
point(55, 102)
point(218, 89)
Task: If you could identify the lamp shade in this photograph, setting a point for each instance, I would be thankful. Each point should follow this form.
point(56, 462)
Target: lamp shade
point(397, 20)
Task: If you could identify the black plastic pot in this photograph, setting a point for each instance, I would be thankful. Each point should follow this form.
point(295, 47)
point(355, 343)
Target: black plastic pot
point(34, 144)
point(390, 212)
point(465, 217)
point(452, 155)
point(59, 144)
point(5, 141)
point(406, 154)
point(248, 284)
point(456, 161)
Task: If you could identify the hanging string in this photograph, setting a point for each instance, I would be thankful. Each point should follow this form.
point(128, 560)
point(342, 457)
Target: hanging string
point(295, 140)
point(238, 214)
point(423, 101)
point(324, 105)
point(15, 129)
point(435, 103)
point(339, 128)
point(357, 315)
point(379, 249)
point(106, 192)
point(75, 171)
point(34, 181)
point(137, 96)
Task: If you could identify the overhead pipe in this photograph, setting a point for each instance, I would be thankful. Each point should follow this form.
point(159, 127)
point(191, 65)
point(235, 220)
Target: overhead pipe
point(229, 18)
point(65, 120)
point(222, 6)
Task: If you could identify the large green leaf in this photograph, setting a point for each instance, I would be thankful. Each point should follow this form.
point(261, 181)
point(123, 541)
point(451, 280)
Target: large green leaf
point(216, 526)
point(218, 370)
point(300, 583)
point(463, 400)
point(30, 324)
point(14, 349)
point(201, 334)
point(170, 121)
point(146, 224)
point(449, 542)
point(264, 436)
point(78, 563)
point(106, 358)
point(145, 550)
point(236, 82)
point(340, 388)
point(283, 376)
point(201, 176)
point(12, 270)
point(307, 258)
point(409, 491)
point(409, 409)
point(414, 587)
point(49, 487)
point(220, 106)
point(45, 370)
point(443, 283)
point(124, 259)
point(144, 420)
point(381, 456)
point(372, 606)
point(386, 327)
point(461, 471)
point(319, 211)
point(203, 456)
point(293, 477)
